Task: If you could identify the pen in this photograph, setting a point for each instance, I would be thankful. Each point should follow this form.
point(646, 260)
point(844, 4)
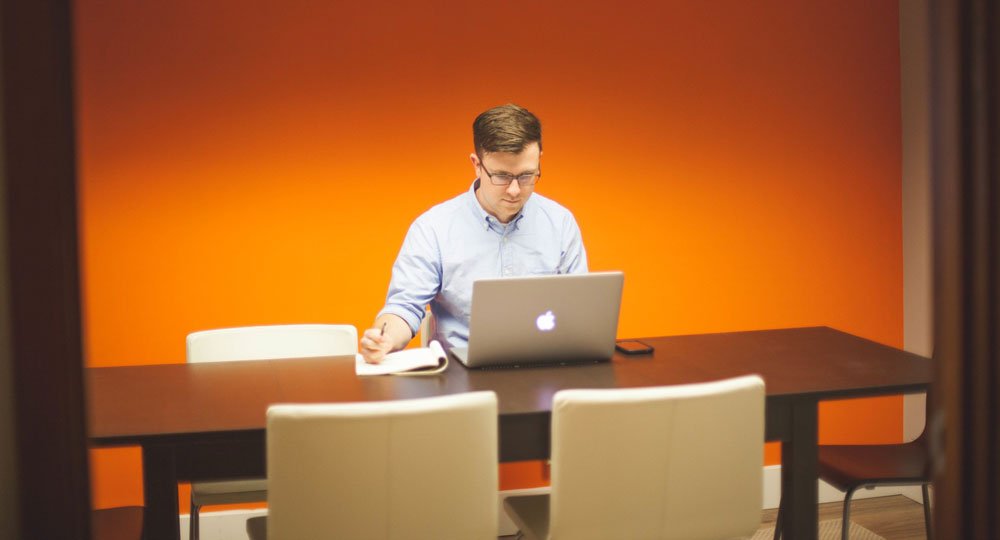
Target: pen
point(382, 333)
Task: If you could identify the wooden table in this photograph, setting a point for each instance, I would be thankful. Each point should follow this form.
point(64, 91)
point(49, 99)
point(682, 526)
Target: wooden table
point(206, 421)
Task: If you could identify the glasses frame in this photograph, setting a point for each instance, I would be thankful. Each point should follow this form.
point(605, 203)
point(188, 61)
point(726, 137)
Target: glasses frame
point(523, 180)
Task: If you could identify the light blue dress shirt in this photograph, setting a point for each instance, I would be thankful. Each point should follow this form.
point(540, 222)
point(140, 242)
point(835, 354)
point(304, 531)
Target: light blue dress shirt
point(457, 242)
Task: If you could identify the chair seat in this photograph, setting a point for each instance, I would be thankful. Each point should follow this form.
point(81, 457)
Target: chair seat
point(531, 515)
point(850, 466)
point(229, 491)
point(123, 523)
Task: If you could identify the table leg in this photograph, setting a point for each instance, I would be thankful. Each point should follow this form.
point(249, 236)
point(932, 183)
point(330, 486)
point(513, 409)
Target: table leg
point(799, 473)
point(159, 481)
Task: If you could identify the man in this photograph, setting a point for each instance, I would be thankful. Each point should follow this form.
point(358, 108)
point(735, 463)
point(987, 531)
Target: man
point(498, 228)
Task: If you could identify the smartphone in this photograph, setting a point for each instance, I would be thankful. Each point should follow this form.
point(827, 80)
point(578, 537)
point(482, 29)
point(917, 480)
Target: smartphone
point(633, 346)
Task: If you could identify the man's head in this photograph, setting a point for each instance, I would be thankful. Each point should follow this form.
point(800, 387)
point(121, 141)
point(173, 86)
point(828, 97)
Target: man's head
point(507, 128)
point(508, 143)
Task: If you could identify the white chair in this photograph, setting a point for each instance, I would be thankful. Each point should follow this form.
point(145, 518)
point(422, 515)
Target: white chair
point(427, 327)
point(505, 527)
point(677, 462)
point(416, 469)
point(258, 343)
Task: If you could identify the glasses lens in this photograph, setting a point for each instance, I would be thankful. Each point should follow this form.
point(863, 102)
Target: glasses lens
point(504, 179)
point(527, 179)
point(501, 179)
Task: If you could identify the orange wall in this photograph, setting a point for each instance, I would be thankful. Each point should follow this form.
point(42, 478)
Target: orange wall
point(255, 163)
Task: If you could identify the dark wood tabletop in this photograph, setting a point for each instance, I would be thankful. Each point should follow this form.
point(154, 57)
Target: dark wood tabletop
point(206, 420)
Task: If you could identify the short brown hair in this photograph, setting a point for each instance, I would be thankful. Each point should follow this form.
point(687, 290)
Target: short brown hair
point(507, 128)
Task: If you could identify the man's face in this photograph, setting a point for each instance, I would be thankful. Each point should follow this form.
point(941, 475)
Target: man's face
point(505, 201)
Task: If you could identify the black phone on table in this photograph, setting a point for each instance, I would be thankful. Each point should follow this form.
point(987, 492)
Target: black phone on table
point(633, 346)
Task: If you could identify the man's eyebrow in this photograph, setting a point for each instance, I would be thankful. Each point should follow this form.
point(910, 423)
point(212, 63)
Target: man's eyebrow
point(508, 173)
point(522, 173)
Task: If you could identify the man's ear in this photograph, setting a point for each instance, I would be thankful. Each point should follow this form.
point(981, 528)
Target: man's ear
point(474, 159)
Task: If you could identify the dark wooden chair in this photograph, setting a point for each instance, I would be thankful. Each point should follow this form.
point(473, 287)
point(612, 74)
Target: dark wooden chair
point(123, 523)
point(850, 467)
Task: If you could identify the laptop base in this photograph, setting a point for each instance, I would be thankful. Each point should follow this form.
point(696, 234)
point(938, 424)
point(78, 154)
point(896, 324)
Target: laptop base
point(462, 354)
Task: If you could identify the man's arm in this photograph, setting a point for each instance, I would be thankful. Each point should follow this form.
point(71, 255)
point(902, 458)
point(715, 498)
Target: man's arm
point(375, 343)
point(574, 256)
point(416, 278)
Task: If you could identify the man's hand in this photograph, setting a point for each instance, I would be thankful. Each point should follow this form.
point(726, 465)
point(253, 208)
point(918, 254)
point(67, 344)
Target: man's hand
point(375, 345)
point(390, 333)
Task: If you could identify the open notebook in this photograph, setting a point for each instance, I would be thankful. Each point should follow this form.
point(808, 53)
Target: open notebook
point(428, 360)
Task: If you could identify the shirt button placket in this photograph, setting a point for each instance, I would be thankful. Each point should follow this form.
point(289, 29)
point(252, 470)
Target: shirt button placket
point(506, 256)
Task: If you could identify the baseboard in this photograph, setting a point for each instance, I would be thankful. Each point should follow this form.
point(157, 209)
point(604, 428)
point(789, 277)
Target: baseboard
point(506, 527)
point(222, 525)
point(231, 524)
point(916, 494)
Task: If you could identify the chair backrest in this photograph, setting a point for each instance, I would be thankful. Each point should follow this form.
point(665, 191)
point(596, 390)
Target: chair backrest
point(419, 468)
point(682, 462)
point(267, 342)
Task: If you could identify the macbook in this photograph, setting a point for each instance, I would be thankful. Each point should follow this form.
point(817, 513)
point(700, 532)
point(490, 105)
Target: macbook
point(565, 318)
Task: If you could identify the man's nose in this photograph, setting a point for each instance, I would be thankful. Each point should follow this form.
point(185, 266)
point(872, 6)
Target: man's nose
point(513, 188)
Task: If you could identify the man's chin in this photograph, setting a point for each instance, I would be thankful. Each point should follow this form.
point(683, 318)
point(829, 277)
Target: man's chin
point(513, 211)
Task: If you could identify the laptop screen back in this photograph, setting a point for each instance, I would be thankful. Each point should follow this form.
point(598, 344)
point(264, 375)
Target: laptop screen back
point(544, 319)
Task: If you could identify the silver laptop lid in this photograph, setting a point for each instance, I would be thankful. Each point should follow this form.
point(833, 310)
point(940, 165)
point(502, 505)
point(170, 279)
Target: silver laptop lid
point(543, 319)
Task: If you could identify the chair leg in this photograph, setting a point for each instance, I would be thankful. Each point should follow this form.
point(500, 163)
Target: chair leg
point(193, 528)
point(927, 512)
point(777, 520)
point(845, 529)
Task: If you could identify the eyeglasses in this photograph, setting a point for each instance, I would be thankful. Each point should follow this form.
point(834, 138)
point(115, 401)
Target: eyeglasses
point(504, 179)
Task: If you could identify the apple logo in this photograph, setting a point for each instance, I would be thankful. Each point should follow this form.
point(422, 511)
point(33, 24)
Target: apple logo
point(546, 321)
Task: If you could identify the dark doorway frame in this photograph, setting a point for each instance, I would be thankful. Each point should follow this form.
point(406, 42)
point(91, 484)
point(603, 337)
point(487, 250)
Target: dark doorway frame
point(40, 211)
point(965, 419)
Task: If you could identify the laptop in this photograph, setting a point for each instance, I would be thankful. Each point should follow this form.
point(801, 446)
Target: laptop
point(555, 319)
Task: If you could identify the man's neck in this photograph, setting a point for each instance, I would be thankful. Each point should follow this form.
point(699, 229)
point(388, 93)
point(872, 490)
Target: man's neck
point(482, 205)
